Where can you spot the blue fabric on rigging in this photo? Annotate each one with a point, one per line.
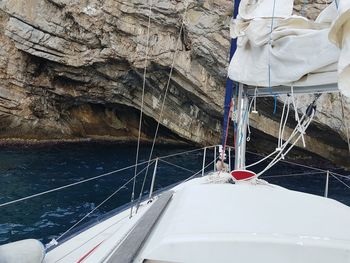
(229, 82)
(275, 104)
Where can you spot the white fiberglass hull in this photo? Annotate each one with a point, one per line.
(209, 219)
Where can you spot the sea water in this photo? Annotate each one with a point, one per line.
(29, 170)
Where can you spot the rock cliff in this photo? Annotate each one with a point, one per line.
(74, 69)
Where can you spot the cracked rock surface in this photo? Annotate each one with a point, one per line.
(74, 69)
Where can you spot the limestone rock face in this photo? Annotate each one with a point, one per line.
(310, 8)
(74, 69)
(59, 56)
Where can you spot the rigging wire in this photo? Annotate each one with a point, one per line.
(181, 153)
(305, 122)
(281, 155)
(344, 121)
(291, 175)
(177, 166)
(336, 177)
(99, 205)
(226, 135)
(54, 242)
(142, 105)
(95, 177)
(68, 185)
(309, 167)
(199, 171)
(301, 127)
(269, 56)
(235, 120)
(291, 163)
(164, 98)
(163, 157)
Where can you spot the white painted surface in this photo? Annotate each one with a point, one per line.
(28, 251)
(211, 220)
(250, 223)
(110, 232)
(297, 51)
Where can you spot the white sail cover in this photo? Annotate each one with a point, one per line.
(276, 48)
(340, 35)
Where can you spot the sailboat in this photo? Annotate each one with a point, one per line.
(232, 215)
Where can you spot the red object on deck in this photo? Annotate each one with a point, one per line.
(243, 175)
(88, 253)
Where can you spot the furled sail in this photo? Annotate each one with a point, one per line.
(340, 35)
(276, 48)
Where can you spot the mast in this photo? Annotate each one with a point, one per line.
(242, 115)
(297, 68)
(242, 104)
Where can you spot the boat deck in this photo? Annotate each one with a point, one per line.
(130, 247)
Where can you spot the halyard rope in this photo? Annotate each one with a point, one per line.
(279, 151)
(291, 163)
(283, 122)
(297, 118)
(261, 160)
(301, 127)
(281, 155)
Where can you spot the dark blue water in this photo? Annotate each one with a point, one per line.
(26, 171)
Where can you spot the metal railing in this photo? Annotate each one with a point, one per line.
(324, 172)
(202, 171)
(229, 149)
(205, 167)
